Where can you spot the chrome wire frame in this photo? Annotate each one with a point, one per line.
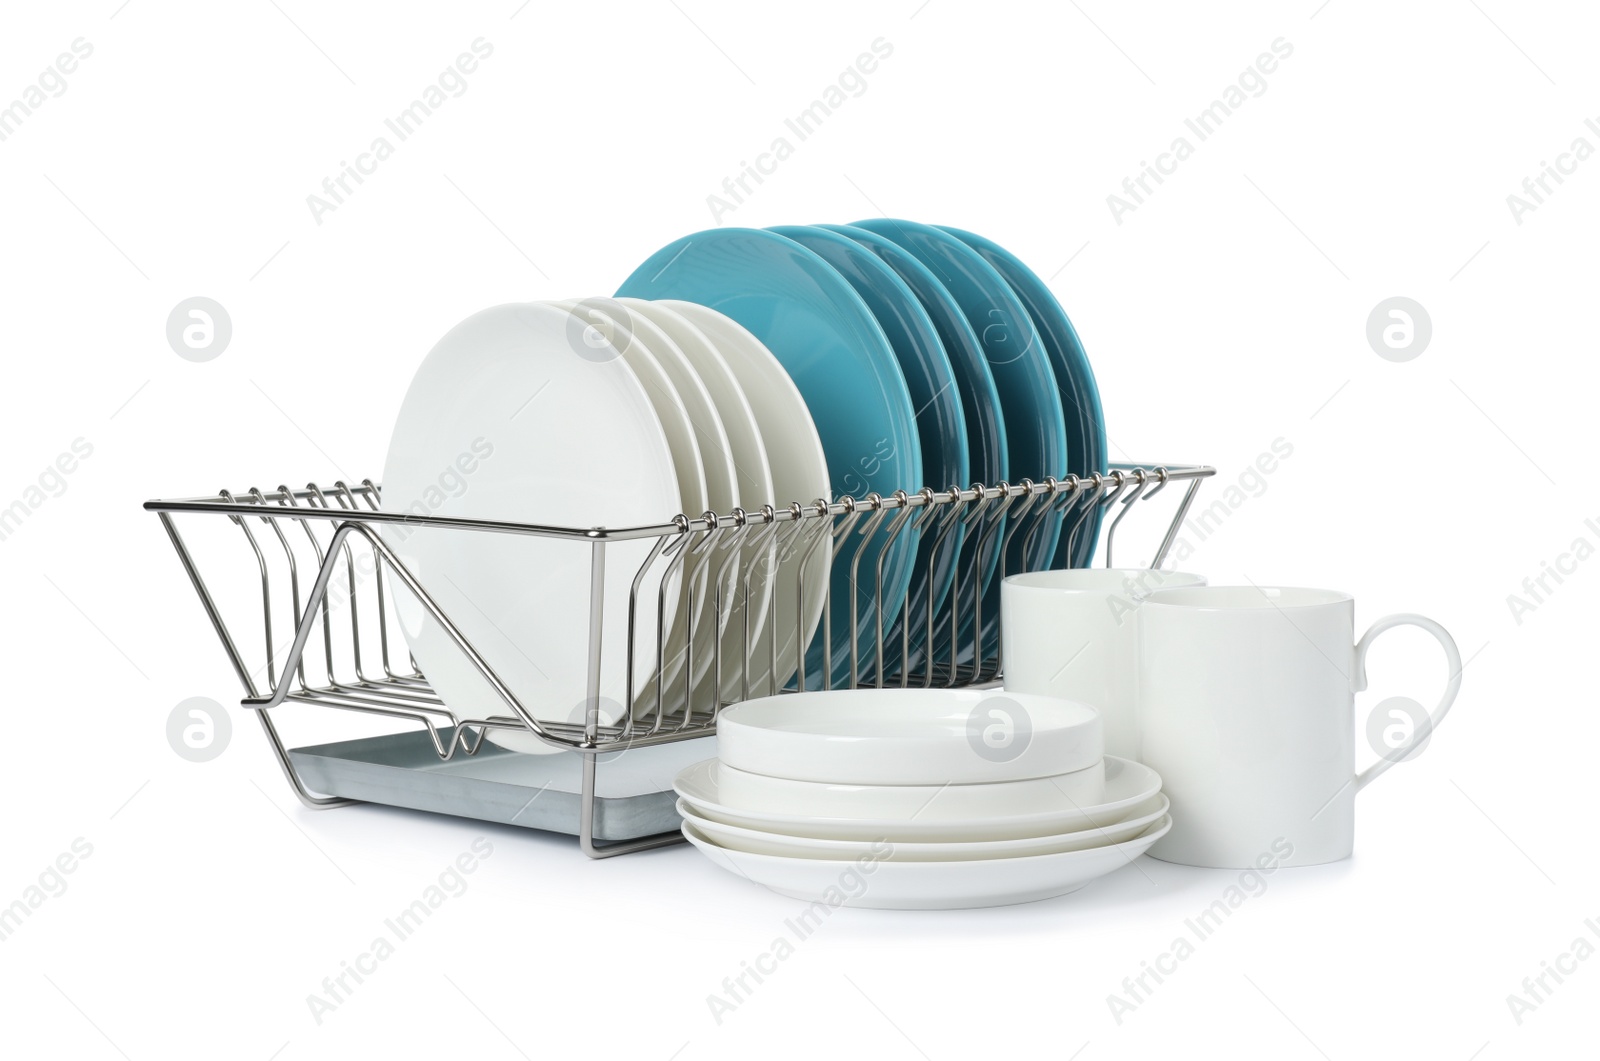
(732, 554)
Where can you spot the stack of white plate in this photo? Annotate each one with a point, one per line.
(918, 799)
(595, 412)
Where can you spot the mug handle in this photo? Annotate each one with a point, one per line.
(1452, 656)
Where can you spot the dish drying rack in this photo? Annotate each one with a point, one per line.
(359, 664)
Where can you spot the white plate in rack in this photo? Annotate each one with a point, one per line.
(513, 417)
(799, 474)
(648, 353)
(874, 882)
(722, 495)
(746, 454)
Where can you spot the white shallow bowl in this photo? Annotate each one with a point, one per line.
(745, 791)
(1127, 785)
(872, 882)
(909, 736)
(757, 842)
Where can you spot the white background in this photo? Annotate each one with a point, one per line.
(1227, 311)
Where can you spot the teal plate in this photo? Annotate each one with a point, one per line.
(941, 422)
(980, 404)
(838, 356)
(1080, 396)
(1036, 432)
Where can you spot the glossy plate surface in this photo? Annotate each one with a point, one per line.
(799, 469)
(875, 882)
(1036, 433)
(747, 453)
(513, 417)
(1080, 396)
(909, 736)
(776, 795)
(648, 355)
(986, 429)
(1127, 785)
(758, 842)
(941, 422)
(713, 453)
(832, 347)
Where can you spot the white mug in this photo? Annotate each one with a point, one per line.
(1247, 711)
(1072, 634)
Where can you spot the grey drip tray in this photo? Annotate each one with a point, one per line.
(633, 788)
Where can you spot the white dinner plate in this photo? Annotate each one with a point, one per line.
(910, 736)
(1127, 785)
(799, 474)
(722, 495)
(648, 353)
(776, 795)
(748, 453)
(874, 882)
(713, 483)
(757, 842)
(506, 419)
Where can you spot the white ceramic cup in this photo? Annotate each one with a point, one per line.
(1072, 634)
(1247, 711)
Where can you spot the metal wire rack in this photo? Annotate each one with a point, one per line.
(327, 572)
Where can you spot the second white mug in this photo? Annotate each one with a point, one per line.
(1073, 634)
